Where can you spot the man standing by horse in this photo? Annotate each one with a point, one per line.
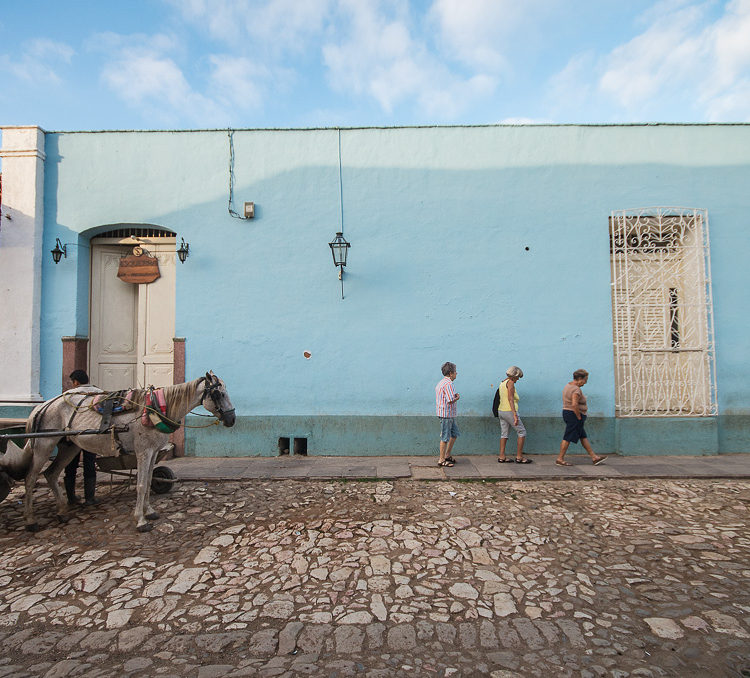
(80, 378)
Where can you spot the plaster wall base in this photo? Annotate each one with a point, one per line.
(417, 435)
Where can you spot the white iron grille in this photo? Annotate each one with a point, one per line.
(662, 313)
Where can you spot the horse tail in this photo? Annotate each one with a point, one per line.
(16, 461)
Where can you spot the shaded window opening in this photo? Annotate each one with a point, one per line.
(674, 318)
(137, 233)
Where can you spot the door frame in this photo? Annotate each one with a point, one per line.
(125, 241)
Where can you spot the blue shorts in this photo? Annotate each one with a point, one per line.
(574, 430)
(448, 429)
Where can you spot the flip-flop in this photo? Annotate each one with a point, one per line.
(447, 463)
(450, 459)
(601, 460)
(525, 460)
(503, 461)
(563, 463)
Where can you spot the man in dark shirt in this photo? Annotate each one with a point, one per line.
(80, 378)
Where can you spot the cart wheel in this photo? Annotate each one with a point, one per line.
(4, 486)
(162, 486)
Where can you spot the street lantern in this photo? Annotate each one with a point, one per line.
(339, 249)
(184, 251)
(59, 252)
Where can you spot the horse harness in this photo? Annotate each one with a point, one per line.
(154, 409)
(212, 389)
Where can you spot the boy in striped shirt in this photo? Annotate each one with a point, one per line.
(445, 403)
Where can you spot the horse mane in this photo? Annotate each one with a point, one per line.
(179, 397)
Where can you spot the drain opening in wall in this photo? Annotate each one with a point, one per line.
(283, 445)
(300, 446)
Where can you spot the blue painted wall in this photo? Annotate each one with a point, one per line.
(486, 246)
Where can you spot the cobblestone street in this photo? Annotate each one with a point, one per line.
(384, 578)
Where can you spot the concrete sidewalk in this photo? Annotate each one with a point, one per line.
(474, 467)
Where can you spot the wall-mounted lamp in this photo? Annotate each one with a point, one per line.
(184, 251)
(59, 252)
(339, 249)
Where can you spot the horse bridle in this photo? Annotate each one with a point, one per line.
(212, 390)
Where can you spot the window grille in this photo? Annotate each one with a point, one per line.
(662, 313)
(138, 232)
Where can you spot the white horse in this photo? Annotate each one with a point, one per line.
(72, 411)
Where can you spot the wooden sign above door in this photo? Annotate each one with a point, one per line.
(139, 267)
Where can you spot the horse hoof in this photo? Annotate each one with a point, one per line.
(32, 527)
(62, 518)
(146, 527)
(152, 516)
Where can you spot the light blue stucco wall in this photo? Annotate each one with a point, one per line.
(440, 220)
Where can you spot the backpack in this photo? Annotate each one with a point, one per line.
(496, 402)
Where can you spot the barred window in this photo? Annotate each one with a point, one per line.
(662, 313)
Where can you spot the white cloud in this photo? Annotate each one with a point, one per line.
(687, 58)
(287, 24)
(376, 55)
(220, 17)
(729, 39)
(732, 104)
(280, 25)
(666, 53)
(474, 31)
(438, 62)
(370, 48)
(145, 77)
(238, 80)
(114, 43)
(524, 121)
(685, 64)
(573, 83)
(661, 9)
(39, 62)
(258, 38)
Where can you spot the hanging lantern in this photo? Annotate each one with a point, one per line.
(59, 252)
(339, 249)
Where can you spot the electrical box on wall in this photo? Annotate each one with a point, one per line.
(249, 210)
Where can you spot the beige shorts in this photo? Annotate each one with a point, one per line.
(506, 421)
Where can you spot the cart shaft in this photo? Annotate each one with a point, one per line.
(53, 434)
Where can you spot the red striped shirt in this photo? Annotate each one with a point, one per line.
(445, 398)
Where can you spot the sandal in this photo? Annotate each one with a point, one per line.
(523, 460)
(450, 459)
(504, 460)
(598, 460)
(562, 463)
(445, 463)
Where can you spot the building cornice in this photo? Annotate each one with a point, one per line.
(24, 153)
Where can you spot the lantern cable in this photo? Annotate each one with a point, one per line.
(230, 134)
(341, 186)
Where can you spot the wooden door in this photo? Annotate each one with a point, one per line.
(132, 326)
(156, 321)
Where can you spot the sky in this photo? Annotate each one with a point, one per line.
(205, 64)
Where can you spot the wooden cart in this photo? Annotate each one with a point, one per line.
(162, 480)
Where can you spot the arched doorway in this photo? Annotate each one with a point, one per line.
(132, 325)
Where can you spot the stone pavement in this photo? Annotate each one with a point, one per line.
(463, 576)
